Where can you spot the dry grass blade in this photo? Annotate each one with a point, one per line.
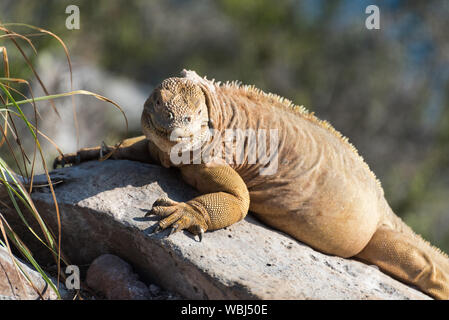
(69, 62)
(67, 94)
(2, 228)
(9, 233)
(23, 96)
(53, 143)
(10, 109)
(20, 114)
(30, 65)
(10, 34)
(36, 114)
(7, 74)
(37, 143)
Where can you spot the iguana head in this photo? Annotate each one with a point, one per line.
(176, 112)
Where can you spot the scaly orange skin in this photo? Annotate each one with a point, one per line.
(323, 193)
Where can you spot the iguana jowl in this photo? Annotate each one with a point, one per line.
(322, 194)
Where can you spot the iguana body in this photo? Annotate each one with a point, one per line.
(322, 194)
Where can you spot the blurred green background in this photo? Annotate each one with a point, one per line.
(387, 90)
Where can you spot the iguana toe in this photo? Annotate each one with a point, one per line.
(164, 201)
(178, 216)
(59, 161)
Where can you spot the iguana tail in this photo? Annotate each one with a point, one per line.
(405, 255)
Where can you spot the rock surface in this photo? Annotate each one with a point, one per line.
(102, 207)
(11, 287)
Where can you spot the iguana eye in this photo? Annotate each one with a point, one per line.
(170, 115)
(187, 119)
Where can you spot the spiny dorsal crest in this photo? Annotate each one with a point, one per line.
(275, 100)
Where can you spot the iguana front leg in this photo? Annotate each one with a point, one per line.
(131, 149)
(224, 202)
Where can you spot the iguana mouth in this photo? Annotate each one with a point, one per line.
(166, 134)
(159, 131)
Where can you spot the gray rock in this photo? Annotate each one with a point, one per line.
(155, 290)
(15, 287)
(114, 278)
(102, 207)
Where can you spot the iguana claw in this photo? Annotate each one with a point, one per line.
(104, 149)
(62, 160)
(173, 230)
(178, 216)
(157, 229)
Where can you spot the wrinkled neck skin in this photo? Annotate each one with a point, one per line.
(235, 112)
(241, 114)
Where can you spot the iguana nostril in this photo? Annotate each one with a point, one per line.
(188, 119)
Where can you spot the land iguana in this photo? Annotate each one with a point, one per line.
(322, 193)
